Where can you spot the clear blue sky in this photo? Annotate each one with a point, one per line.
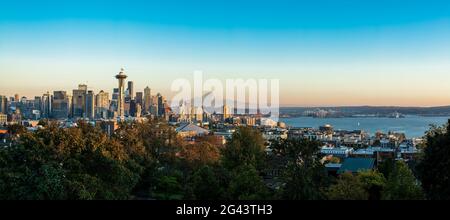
(324, 52)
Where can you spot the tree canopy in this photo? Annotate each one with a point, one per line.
(402, 184)
(148, 160)
(433, 169)
(303, 175)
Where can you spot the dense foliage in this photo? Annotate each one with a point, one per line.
(149, 161)
(303, 175)
(434, 169)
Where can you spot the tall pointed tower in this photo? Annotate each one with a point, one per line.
(121, 102)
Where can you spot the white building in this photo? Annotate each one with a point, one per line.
(336, 151)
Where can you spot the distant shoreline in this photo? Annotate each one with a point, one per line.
(412, 126)
(427, 116)
(366, 106)
(368, 111)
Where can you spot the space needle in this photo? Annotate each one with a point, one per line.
(121, 102)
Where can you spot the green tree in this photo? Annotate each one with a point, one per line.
(247, 184)
(15, 130)
(373, 183)
(60, 163)
(150, 145)
(169, 186)
(245, 148)
(303, 175)
(203, 152)
(43, 122)
(386, 167)
(348, 187)
(402, 185)
(207, 183)
(433, 169)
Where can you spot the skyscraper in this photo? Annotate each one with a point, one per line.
(139, 98)
(60, 105)
(114, 100)
(198, 114)
(126, 106)
(102, 104)
(147, 99)
(3, 104)
(121, 99)
(154, 105)
(160, 105)
(132, 111)
(226, 112)
(78, 101)
(46, 105)
(130, 90)
(90, 105)
(38, 104)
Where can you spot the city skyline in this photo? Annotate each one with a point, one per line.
(325, 54)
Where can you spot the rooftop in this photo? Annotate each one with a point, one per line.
(191, 128)
(355, 165)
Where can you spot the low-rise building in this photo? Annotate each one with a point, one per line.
(341, 151)
(411, 153)
(274, 134)
(227, 134)
(356, 165)
(379, 153)
(190, 130)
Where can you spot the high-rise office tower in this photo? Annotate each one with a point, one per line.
(121, 99)
(154, 105)
(183, 112)
(114, 100)
(60, 105)
(226, 112)
(78, 101)
(3, 104)
(198, 114)
(160, 105)
(132, 110)
(102, 104)
(38, 103)
(126, 106)
(90, 105)
(130, 90)
(16, 115)
(69, 97)
(167, 110)
(139, 98)
(46, 105)
(147, 99)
